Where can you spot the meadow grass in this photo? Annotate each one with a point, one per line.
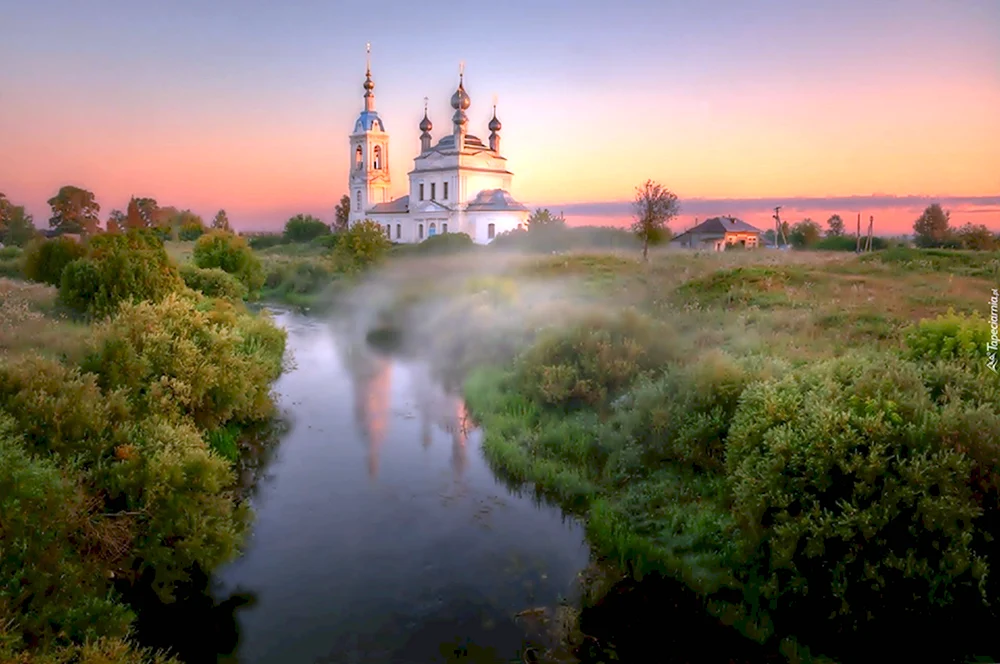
(576, 410)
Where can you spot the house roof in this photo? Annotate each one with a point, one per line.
(401, 204)
(721, 226)
(494, 200)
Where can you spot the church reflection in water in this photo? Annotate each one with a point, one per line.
(373, 375)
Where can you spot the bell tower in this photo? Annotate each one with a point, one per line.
(369, 182)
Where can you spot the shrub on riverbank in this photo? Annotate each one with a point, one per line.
(230, 253)
(116, 268)
(783, 485)
(44, 260)
(213, 282)
(108, 480)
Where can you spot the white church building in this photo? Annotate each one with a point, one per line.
(458, 185)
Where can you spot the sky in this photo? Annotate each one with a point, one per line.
(875, 107)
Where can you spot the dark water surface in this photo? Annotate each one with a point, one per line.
(381, 535)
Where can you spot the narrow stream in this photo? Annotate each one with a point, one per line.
(381, 535)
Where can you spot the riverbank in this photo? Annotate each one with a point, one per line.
(124, 400)
(766, 429)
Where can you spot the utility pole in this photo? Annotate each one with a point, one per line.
(858, 249)
(778, 230)
(871, 226)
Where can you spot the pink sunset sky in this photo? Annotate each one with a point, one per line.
(736, 106)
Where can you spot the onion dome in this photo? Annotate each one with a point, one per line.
(425, 124)
(495, 125)
(460, 100)
(460, 118)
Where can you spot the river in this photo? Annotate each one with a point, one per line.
(381, 535)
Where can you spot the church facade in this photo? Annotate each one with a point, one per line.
(457, 185)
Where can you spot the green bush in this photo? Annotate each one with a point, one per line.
(119, 267)
(177, 361)
(12, 268)
(446, 243)
(50, 588)
(212, 282)
(231, 254)
(593, 361)
(949, 337)
(190, 231)
(849, 243)
(303, 228)
(327, 241)
(853, 494)
(362, 245)
(682, 417)
(265, 241)
(7, 253)
(44, 260)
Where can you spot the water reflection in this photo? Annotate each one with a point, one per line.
(381, 535)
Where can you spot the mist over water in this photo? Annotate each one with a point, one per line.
(381, 535)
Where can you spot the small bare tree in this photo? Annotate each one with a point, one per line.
(654, 207)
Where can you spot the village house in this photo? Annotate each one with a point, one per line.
(718, 233)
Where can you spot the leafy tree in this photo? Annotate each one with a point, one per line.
(74, 210)
(116, 223)
(654, 207)
(931, 229)
(141, 213)
(834, 226)
(16, 226)
(362, 245)
(805, 233)
(221, 221)
(230, 253)
(542, 218)
(303, 228)
(118, 267)
(978, 238)
(341, 213)
(44, 260)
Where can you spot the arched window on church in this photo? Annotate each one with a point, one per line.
(432, 230)
(358, 159)
(357, 201)
(388, 231)
(377, 160)
(491, 231)
(420, 232)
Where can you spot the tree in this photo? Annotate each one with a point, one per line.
(230, 253)
(542, 218)
(18, 227)
(341, 213)
(834, 226)
(978, 238)
(304, 227)
(805, 233)
(74, 210)
(931, 229)
(221, 221)
(116, 223)
(654, 207)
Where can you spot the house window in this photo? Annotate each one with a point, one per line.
(444, 191)
(358, 161)
(433, 185)
(399, 231)
(491, 230)
(420, 232)
(377, 161)
(421, 191)
(444, 228)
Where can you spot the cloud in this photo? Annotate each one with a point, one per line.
(721, 206)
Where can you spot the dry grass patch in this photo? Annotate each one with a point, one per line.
(31, 321)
